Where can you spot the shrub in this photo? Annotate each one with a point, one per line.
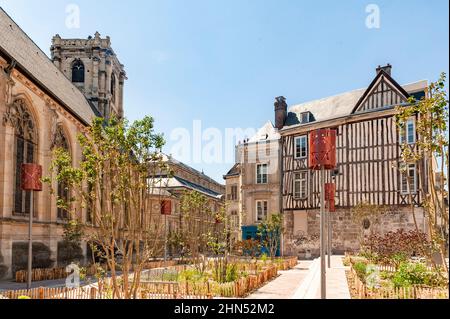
(410, 274)
(232, 273)
(394, 248)
(191, 275)
(361, 270)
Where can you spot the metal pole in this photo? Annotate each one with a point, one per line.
(330, 233)
(165, 238)
(30, 243)
(323, 283)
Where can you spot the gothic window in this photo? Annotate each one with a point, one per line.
(78, 72)
(113, 88)
(25, 152)
(60, 142)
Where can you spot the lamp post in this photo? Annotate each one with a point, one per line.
(166, 210)
(322, 148)
(330, 192)
(31, 181)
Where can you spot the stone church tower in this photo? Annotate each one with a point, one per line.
(94, 68)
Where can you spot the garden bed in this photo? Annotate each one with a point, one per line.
(408, 281)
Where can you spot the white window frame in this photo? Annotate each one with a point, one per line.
(301, 178)
(404, 133)
(266, 215)
(261, 181)
(413, 183)
(300, 138)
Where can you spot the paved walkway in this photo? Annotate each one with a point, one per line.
(284, 286)
(303, 282)
(337, 286)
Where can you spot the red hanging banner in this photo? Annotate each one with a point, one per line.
(166, 207)
(330, 195)
(322, 149)
(31, 177)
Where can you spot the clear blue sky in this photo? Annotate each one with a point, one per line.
(224, 62)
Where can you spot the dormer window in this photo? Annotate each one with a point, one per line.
(305, 117)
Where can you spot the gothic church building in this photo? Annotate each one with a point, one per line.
(45, 103)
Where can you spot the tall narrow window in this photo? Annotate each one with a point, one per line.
(234, 192)
(25, 152)
(409, 176)
(113, 88)
(78, 72)
(301, 147)
(60, 142)
(261, 174)
(261, 210)
(301, 185)
(408, 133)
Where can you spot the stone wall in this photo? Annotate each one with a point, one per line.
(347, 234)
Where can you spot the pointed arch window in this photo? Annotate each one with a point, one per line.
(60, 142)
(113, 88)
(78, 72)
(25, 150)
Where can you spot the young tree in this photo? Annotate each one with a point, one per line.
(270, 232)
(431, 121)
(197, 218)
(112, 182)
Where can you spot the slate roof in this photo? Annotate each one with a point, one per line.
(234, 171)
(173, 161)
(337, 106)
(174, 183)
(15, 43)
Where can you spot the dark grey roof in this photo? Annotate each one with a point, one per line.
(336, 106)
(234, 171)
(197, 187)
(16, 43)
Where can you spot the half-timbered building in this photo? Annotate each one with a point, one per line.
(368, 163)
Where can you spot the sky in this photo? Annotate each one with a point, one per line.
(221, 63)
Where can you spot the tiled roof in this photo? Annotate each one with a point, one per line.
(336, 106)
(16, 43)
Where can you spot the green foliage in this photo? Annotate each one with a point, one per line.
(232, 273)
(112, 181)
(191, 275)
(361, 270)
(431, 118)
(264, 258)
(270, 231)
(410, 274)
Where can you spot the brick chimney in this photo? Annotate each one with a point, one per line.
(280, 112)
(386, 68)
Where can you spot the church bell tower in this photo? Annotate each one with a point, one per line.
(94, 69)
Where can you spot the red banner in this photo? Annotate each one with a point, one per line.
(322, 149)
(166, 207)
(31, 177)
(330, 195)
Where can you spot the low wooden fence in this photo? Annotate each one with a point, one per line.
(60, 273)
(49, 274)
(88, 293)
(413, 292)
(236, 289)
